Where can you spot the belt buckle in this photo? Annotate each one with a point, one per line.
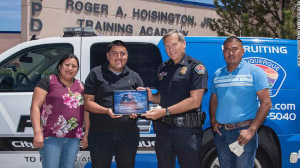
(180, 122)
(228, 128)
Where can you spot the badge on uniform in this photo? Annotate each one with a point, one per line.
(183, 70)
(161, 75)
(200, 69)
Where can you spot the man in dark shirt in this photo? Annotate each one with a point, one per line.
(111, 134)
(182, 83)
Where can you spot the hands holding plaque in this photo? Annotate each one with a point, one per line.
(130, 102)
(135, 103)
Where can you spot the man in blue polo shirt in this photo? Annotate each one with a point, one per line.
(234, 111)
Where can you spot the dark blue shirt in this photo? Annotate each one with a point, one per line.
(176, 81)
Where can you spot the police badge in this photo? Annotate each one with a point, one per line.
(183, 70)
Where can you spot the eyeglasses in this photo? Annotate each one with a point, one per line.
(115, 53)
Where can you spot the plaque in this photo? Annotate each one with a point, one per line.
(126, 102)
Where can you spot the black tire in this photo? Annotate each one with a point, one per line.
(209, 156)
(263, 159)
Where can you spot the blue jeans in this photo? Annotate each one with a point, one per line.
(59, 152)
(104, 145)
(185, 143)
(228, 159)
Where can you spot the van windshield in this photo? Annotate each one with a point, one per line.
(23, 70)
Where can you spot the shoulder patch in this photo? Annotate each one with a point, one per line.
(200, 69)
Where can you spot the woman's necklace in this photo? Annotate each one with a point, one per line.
(67, 84)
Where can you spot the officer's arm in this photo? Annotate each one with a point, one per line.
(193, 102)
(93, 107)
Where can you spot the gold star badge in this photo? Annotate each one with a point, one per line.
(183, 70)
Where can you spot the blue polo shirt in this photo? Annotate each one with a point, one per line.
(236, 92)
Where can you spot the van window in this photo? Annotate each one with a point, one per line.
(23, 70)
(143, 58)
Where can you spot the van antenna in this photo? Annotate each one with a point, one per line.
(33, 37)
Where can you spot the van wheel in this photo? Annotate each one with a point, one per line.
(210, 159)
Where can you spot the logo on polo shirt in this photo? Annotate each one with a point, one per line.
(276, 74)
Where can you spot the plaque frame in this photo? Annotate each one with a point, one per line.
(126, 102)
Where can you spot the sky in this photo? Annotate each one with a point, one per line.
(10, 13)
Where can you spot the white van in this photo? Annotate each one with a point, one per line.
(22, 66)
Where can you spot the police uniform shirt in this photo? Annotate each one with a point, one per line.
(101, 82)
(176, 81)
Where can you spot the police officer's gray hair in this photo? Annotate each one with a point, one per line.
(170, 33)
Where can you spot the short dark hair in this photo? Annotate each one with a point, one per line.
(179, 35)
(70, 55)
(116, 43)
(233, 39)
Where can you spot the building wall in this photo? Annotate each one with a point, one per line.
(8, 40)
(114, 17)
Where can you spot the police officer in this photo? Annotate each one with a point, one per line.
(182, 83)
(111, 134)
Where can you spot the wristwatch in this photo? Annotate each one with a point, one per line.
(167, 111)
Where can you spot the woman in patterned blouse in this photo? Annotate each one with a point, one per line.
(57, 115)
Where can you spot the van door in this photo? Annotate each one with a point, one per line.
(18, 76)
(19, 73)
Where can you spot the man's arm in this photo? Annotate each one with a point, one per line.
(265, 105)
(185, 105)
(212, 113)
(91, 106)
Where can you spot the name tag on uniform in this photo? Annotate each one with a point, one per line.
(161, 75)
